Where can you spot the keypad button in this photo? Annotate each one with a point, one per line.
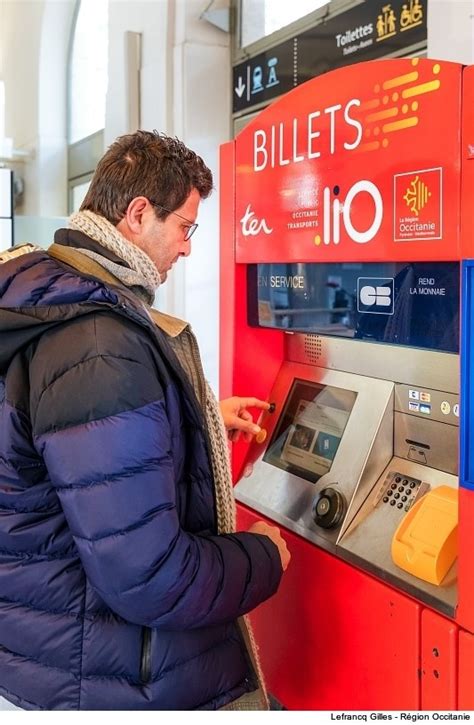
(393, 486)
(389, 492)
(412, 484)
(404, 498)
(396, 495)
(397, 479)
(405, 481)
(385, 499)
(392, 502)
(400, 488)
(399, 505)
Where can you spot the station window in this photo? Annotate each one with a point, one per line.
(87, 92)
(77, 191)
(260, 18)
(88, 69)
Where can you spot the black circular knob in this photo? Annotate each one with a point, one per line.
(329, 508)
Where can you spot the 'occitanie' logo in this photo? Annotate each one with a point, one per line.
(417, 195)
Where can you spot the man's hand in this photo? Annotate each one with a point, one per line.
(273, 533)
(237, 419)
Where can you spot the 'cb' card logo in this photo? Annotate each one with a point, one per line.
(418, 205)
(375, 295)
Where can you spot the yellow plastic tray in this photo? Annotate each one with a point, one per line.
(425, 543)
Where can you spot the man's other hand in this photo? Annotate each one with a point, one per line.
(237, 418)
(273, 533)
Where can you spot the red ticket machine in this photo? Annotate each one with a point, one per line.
(342, 247)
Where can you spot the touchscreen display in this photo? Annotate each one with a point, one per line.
(310, 429)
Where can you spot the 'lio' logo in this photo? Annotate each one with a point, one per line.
(337, 211)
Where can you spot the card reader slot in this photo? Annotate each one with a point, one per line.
(417, 443)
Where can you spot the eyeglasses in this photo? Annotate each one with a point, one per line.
(190, 228)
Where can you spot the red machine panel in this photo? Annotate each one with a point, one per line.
(334, 638)
(465, 613)
(467, 153)
(359, 165)
(439, 646)
(466, 675)
(350, 167)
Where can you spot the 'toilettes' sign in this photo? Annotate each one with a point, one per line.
(368, 31)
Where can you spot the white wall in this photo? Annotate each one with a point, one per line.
(185, 91)
(20, 40)
(185, 84)
(50, 181)
(451, 30)
(151, 19)
(34, 36)
(202, 72)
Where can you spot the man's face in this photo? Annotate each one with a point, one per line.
(164, 240)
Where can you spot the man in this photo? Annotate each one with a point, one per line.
(122, 582)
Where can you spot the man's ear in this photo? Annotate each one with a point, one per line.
(132, 221)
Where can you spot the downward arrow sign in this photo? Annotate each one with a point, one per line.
(240, 87)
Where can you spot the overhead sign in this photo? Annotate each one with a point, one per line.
(370, 30)
(349, 167)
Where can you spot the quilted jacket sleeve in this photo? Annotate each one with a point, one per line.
(101, 425)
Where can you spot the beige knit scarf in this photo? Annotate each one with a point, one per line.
(141, 274)
(226, 523)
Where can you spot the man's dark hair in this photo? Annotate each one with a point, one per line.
(146, 163)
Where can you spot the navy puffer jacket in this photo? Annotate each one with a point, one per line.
(115, 590)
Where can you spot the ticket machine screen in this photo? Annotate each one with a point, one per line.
(310, 429)
(400, 303)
